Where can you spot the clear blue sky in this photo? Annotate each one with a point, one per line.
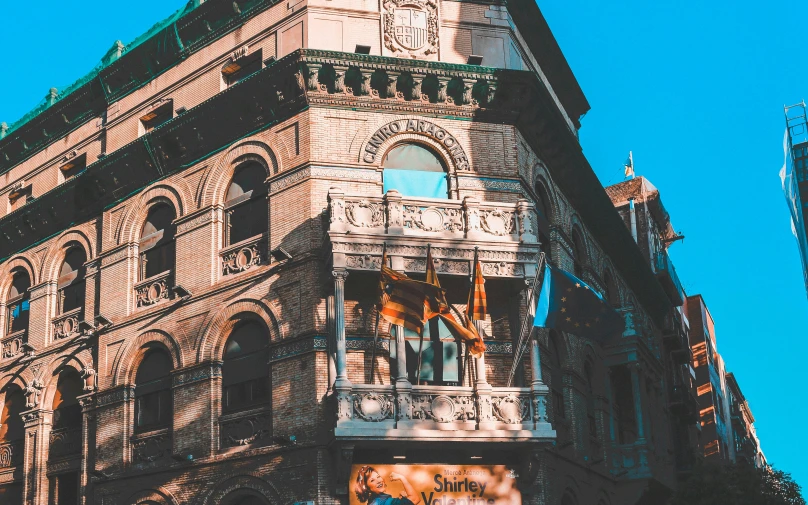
(694, 88)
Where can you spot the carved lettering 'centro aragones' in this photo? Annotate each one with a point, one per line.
(371, 149)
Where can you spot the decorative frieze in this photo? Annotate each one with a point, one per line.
(11, 453)
(204, 372)
(12, 344)
(121, 394)
(117, 255)
(195, 221)
(300, 346)
(329, 173)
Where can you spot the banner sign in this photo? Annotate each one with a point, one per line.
(415, 484)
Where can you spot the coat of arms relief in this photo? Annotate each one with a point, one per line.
(410, 27)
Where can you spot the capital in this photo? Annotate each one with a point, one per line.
(340, 275)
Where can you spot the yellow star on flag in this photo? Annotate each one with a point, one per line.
(563, 309)
(563, 298)
(577, 284)
(568, 320)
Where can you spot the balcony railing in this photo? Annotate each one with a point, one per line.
(245, 427)
(65, 442)
(244, 255)
(372, 412)
(11, 453)
(666, 274)
(151, 447)
(153, 290)
(13, 344)
(67, 325)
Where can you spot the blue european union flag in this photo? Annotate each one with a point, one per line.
(566, 303)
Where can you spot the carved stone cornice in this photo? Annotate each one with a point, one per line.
(285, 180)
(36, 416)
(195, 220)
(205, 371)
(118, 254)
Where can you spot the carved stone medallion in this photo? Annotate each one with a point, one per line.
(411, 27)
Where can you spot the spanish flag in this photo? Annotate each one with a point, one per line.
(477, 306)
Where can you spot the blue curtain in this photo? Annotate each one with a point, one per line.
(416, 183)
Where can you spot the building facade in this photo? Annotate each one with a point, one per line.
(191, 240)
(744, 435)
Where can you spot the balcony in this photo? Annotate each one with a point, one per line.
(683, 404)
(67, 325)
(666, 274)
(151, 448)
(11, 453)
(245, 427)
(503, 233)
(13, 344)
(153, 290)
(65, 442)
(441, 413)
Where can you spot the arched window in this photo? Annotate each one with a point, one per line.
(544, 211)
(71, 283)
(66, 416)
(556, 377)
(414, 170)
(157, 242)
(246, 204)
(12, 427)
(578, 252)
(17, 302)
(153, 403)
(626, 422)
(245, 372)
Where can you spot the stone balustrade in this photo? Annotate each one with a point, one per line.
(503, 233)
(441, 412)
(64, 442)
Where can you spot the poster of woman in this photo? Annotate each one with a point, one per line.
(407, 484)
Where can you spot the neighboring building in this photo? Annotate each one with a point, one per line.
(190, 240)
(639, 204)
(794, 177)
(747, 445)
(716, 436)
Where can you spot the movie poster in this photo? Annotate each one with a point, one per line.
(407, 484)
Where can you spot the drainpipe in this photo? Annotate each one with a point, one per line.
(633, 219)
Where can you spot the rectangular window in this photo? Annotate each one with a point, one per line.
(246, 220)
(17, 315)
(440, 362)
(153, 410)
(245, 394)
(72, 296)
(67, 489)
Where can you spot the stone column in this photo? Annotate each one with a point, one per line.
(37, 433)
(610, 396)
(342, 386)
(87, 403)
(403, 387)
(330, 344)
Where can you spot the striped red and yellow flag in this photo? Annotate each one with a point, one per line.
(467, 333)
(437, 305)
(477, 307)
(404, 300)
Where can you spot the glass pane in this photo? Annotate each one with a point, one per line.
(247, 220)
(413, 157)
(158, 260)
(416, 183)
(439, 355)
(73, 297)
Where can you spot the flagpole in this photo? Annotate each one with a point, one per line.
(421, 340)
(376, 330)
(526, 325)
(631, 160)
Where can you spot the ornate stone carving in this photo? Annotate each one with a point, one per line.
(66, 325)
(32, 392)
(433, 219)
(115, 396)
(365, 214)
(12, 345)
(443, 408)
(153, 290)
(88, 375)
(373, 407)
(497, 222)
(410, 27)
(510, 409)
(11, 454)
(242, 258)
(195, 222)
(364, 262)
(245, 429)
(196, 374)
